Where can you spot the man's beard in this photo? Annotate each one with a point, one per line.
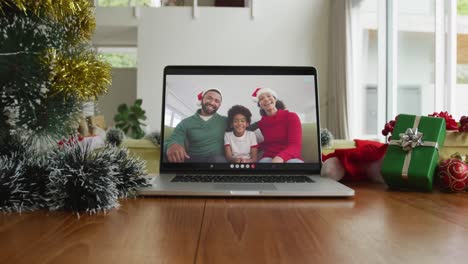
(208, 111)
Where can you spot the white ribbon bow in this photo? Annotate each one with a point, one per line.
(411, 139)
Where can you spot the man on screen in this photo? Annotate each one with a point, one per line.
(200, 137)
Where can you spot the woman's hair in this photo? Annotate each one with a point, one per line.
(279, 105)
(239, 109)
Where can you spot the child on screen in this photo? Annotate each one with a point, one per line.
(240, 145)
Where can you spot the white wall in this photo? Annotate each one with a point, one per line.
(115, 26)
(282, 33)
(121, 91)
(115, 16)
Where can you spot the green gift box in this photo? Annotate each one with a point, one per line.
(412, 154)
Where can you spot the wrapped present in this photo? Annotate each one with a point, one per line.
(412, 154)
(455, 142)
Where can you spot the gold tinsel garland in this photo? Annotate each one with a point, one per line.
(77, 15)
(83, 75)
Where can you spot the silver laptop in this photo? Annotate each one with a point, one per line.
(216, 142)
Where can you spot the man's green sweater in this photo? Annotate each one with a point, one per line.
(201, 137)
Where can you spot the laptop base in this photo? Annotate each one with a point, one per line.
(320, 187)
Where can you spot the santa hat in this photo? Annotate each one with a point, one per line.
(202, 93)
(258, 91)
(356, 160)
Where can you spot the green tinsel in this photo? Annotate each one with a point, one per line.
(326, 137)
(114, 136)
(81, 180)
(46, 65)
(72, 177)
(76, 15)
(5, 127)
(55, 118)
(10, 170)
(130, 171)
(22, 182)
(12, 143)
(22, 34)
(22, 86)
(47, 69)
(24, 77)
(75, 69)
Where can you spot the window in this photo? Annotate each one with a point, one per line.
(119, 57)
(461, 90)
(126, 2)
(171, 117)
(415, 56)
(368, 78)
(407, 57)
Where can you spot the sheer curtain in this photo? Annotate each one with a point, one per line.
(339, 77)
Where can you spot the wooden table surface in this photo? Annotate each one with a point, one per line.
(376, 226)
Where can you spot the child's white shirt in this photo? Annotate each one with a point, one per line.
(240, 146)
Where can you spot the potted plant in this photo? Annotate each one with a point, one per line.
(129, 119)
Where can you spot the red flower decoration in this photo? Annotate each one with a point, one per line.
(450, 123)
(463, 124)
(200, 96)
(70, 141)
(388, 128)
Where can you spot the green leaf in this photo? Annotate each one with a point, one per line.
(122, 108)
(128, 119)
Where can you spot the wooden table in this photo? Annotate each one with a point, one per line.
(376, 226)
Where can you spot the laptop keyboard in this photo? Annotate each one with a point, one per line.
(242, 179)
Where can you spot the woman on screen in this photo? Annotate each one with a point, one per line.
(281, 129)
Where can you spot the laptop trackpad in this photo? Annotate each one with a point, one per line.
(245, 187)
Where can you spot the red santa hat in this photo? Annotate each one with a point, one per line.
(258, 91)
(356, 161)
(202, 93)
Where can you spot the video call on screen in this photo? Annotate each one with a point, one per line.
(297, 92)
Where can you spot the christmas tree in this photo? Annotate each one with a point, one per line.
(47, 67)
(47, 71)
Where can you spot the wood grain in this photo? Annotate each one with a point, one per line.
(377, 226)
(148, 230)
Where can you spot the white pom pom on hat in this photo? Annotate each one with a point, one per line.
(258, 91)
(202, 93)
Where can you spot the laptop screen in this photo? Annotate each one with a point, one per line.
(240, 118)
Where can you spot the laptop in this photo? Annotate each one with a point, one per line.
(197, 157)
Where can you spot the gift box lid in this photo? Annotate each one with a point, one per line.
(432, 128)
(455, 143)
(456, 139)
